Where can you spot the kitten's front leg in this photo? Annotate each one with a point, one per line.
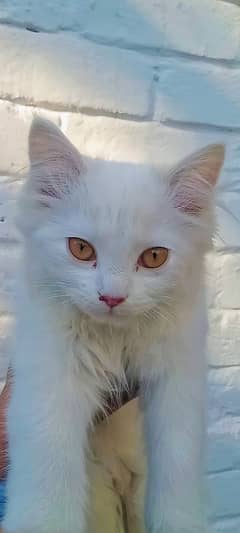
(50, 410)
(174, 422)
(47, 478)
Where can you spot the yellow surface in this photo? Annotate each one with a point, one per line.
(117, 474)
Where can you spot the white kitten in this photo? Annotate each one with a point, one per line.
(88, 310)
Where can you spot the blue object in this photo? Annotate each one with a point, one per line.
(2, 499)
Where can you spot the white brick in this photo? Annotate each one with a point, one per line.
(207, 27)
(185, 26)
(9, 257)
(229, 219)
(12, 132)
(15, 122)
(213, 279)
(6, 324)
(230, 278)
(113, 138)
(191, 92)
(8, 194)
(224, 494)
(224, 389)
(226, 526)
(139, 141)
(53, 15)
(224, 337)
(223, 274)
(223, 442)
(65, 72)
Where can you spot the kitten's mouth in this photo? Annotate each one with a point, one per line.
(110, 316)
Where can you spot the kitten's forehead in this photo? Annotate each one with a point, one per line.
(118, 185)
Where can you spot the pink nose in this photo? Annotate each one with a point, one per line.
(111, 301)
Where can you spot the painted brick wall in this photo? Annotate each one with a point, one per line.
(137, 79)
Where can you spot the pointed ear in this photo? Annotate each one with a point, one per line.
(192, 182)
(54, 162)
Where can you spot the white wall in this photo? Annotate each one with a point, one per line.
(133, 79)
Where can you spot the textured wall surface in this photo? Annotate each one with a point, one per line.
(131, 80)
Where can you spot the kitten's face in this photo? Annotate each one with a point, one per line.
(119, 212)
(113, 239)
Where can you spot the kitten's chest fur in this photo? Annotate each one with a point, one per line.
(103, 350)
(107, 358)
(110, 356)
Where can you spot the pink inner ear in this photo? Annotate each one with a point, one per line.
(192, 184)
(188, 205)
(48, 191)
(56, 164)
(191, 191)
(54, 177)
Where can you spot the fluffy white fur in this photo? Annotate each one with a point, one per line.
(70, 349)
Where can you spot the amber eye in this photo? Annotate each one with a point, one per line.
(81, 249)
(153, 257)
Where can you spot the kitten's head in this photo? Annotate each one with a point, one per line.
(116, 240)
